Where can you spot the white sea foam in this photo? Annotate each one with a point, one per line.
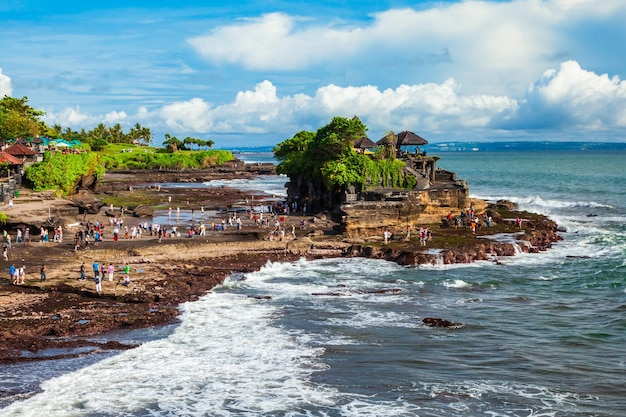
(458, 283)
(535, 201)
(532, 400)
(226, 358)
(269, 184)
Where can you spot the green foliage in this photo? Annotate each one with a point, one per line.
(18, 119)
(3, 218)
(63, 171)
(149, 159)
(99, 145)
(328, 156)
(292, 155)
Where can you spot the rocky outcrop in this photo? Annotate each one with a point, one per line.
(143, 211)
(87, 202)
(538, 239)
(437, 322)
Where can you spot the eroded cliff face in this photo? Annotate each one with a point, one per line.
(397, 210)
(365, 212)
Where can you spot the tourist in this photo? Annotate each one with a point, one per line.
(126, 275)
(18, 236)
(42, 272)
(22, 273)
(82, 272)
(5, 252)
(96, 269)
(386, 236)
(12, 274)
(111, 271)
(10, 203)
(97, 280)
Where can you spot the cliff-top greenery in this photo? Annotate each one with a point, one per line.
(328, 156)
(102, 148)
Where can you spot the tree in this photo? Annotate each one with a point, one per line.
(18, 119)
(324, 164)
(172, 143)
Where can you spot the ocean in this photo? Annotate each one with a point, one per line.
(543, 334)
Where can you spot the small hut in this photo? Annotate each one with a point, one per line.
(14, 164)
(409, 141)
(364, 145)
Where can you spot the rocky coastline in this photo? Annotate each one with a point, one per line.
(66, 313)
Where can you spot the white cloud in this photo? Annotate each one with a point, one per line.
(574, 97)
(5, 85)
(419, 107)
(569, 97)
(76, 119)
(492, 47)
(274, 41)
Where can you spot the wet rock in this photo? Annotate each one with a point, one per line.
(143, 210)
(438, 322)
(87, 202)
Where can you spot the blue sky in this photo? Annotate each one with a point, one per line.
(254, 73)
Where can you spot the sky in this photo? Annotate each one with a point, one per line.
(254, 73)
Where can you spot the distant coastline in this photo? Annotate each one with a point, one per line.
(499, 146)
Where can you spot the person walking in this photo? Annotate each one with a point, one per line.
(96, 269)
(42, 272)
(111, 271)
(82, 272)
(98, 282)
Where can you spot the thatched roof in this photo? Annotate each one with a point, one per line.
(364, 143)
(407, 138)
(17, 149)
(388, 139)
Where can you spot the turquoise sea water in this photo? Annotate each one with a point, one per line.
(543, 334)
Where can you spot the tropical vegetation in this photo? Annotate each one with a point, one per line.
(328, 157)
(111, 148)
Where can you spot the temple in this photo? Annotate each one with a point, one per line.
(362, 212)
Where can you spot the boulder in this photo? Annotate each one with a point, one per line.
(437, 322)
(143, 210)
(87, 202)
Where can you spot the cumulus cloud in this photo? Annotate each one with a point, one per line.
(76, 119)
(274, 42)
(493, 47)
(572, 97)
(418, 107)
(5, 85)
(569, 97)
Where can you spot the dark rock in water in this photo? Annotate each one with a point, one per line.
(592, 215)
(504, 205)
(87, 202)
(437, 322)
(331, 294)
(261, 297)
(143, 211)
